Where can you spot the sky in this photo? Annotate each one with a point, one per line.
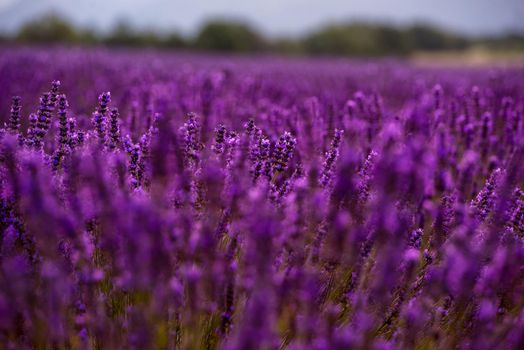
(273, 17)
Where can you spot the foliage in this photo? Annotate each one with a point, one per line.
(229, 36)
(353, 39)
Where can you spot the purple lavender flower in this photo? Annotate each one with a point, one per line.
(190, 133)
(220, 137)
(63, 139)
(103, 103)
(14, 119)
(437, 94)
(40, 127)
(32, 130)
(283, 153)
(54, 95)
(260, 153)
(485, 199)
(403, 231)
(114, 130)
(331, 158)
(98, 122)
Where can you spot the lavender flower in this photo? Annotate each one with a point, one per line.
(40, 127)
(191, 135)
(405, 231)
(14, 119)
(331, 157)
(32, 130)
(260, 154)
(283, 152)
(55, 85)
(114, 130)
(220, 137)
(103, 103)
(98, 122)
(63, 139)
(485, 199)
(437, 93)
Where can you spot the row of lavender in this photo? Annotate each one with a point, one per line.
(258, 203)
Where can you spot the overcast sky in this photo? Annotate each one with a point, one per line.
(273, 17)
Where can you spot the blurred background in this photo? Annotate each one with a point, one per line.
(452, 31)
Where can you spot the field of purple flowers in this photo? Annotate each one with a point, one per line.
(171, 201)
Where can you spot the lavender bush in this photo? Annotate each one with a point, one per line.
(173, 201)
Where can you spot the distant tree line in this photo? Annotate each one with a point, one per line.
(356, 39)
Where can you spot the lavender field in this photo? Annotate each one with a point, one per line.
(179, 201)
